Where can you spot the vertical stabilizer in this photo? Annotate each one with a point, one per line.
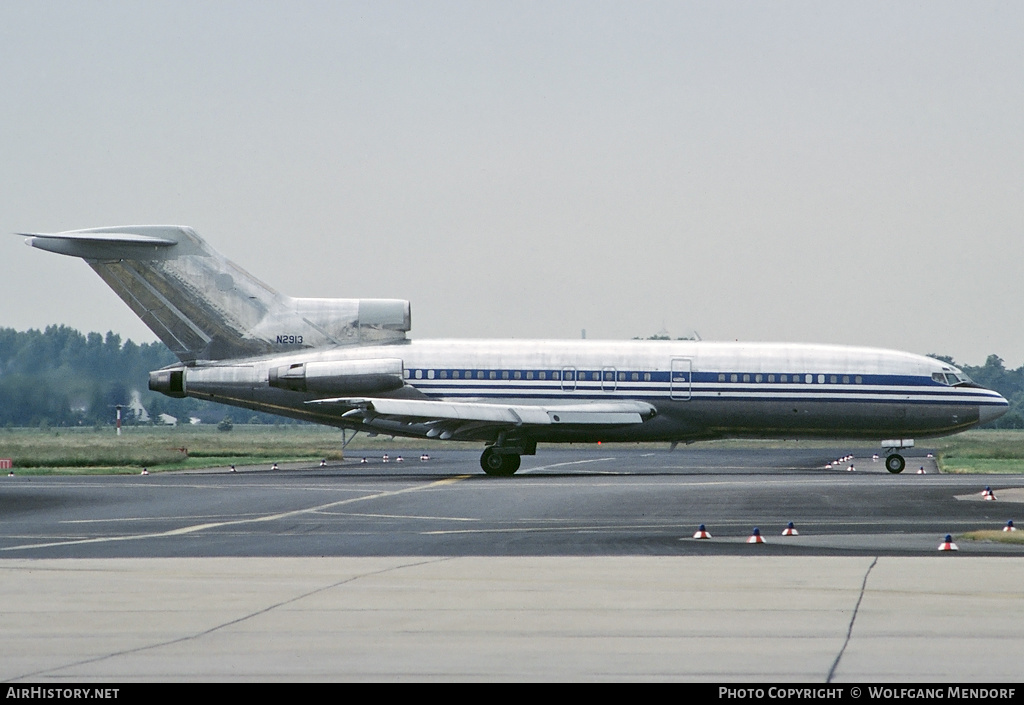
(205, 307)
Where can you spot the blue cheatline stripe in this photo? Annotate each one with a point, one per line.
(663, 377)
(498, 392)
(768, 392)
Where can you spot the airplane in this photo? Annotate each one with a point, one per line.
(348, 363)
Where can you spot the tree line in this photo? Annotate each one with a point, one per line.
(60, 377)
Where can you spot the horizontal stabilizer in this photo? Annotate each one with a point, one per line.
(105, 238)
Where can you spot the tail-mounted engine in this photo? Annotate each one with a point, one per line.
(340, 378)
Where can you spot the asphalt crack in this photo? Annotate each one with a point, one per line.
(853, 619)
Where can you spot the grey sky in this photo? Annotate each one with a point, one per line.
(823, 172)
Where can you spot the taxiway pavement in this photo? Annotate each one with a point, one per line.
(581, 567)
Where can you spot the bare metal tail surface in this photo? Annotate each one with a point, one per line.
(205, 307)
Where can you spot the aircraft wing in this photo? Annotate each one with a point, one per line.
(449, 419)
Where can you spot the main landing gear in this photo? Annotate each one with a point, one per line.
(503, 458)
(499, 464)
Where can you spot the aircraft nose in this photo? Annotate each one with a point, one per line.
(993, 409)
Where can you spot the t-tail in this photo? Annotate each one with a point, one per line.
(205, 307)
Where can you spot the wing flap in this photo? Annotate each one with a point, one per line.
(596, 413)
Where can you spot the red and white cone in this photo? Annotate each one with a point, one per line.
(790, 530)
(1009, 526)
(921, 471)
(424, 458)
(947, 544)
(144, 471)
(363, 461)
(988, 494)
(702, 533)
(755, 536)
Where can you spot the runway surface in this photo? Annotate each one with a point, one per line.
(581, 567)
(615, 502)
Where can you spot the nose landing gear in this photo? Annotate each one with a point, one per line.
(895, 463)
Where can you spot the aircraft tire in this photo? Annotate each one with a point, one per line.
(499, 465)
(895, 463)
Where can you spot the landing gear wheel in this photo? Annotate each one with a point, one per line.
(895, 463)
(499, 464)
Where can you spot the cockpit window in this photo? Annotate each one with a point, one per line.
(953, 379)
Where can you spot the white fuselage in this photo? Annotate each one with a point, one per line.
(700, 389)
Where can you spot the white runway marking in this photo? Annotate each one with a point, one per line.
(558, 465)
(236, 522)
